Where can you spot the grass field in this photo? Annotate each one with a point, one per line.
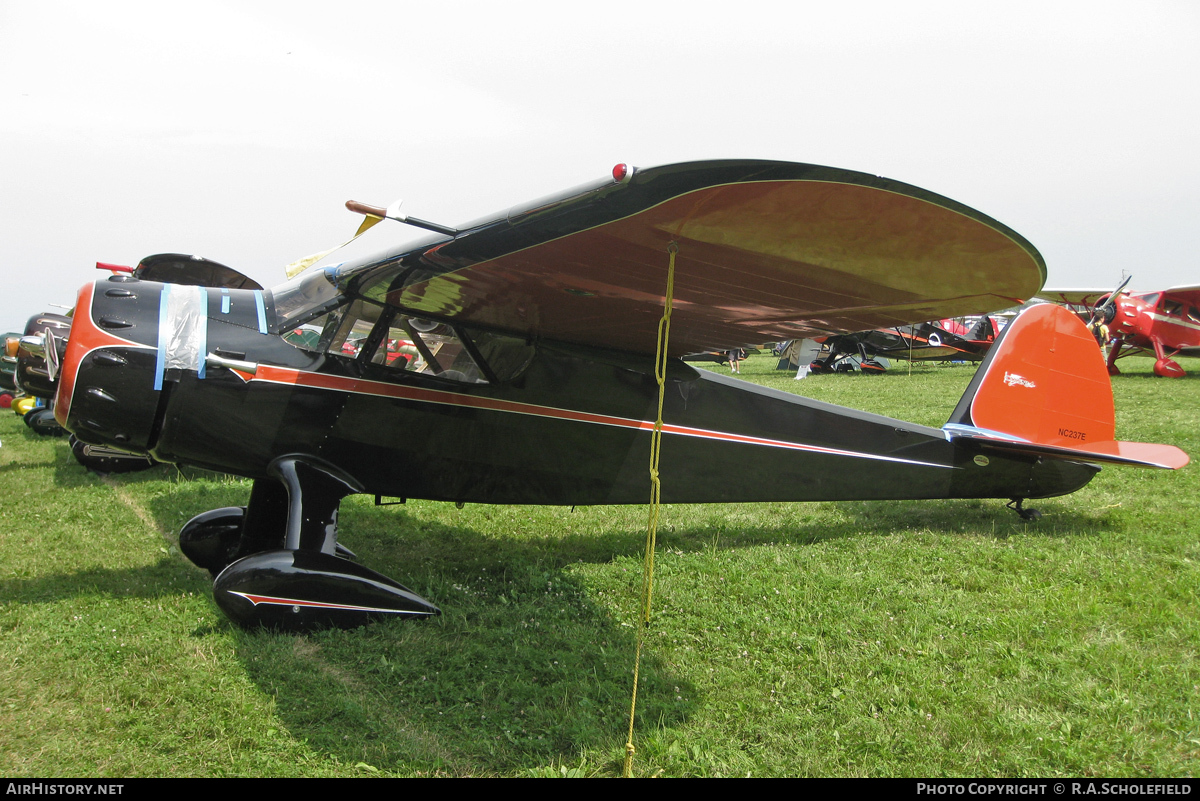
(852, 639)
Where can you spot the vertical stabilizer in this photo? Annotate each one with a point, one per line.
(1044, 389)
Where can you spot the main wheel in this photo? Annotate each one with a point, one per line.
(211, 539)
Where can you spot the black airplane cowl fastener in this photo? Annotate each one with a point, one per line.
(105, 358)
(113, 323)
(100, 394)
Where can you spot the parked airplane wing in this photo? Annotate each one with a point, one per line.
(766, 250)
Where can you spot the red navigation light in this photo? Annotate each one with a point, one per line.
(622, 173)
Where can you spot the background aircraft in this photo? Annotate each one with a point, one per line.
(967, 339)
(8, 370)
(1166, 323)
(545, 358)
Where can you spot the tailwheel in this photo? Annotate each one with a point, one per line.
(1017, 505)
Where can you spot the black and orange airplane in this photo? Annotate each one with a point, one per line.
(535, 345)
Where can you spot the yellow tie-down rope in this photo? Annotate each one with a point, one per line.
(660, 375)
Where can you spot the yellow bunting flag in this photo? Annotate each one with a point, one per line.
(300, 265)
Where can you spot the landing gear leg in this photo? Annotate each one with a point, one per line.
(1114, 351)
(285, 569)
(1017, 505)
(216, 538)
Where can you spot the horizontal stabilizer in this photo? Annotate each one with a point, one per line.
(1044, 390)
(1133, 454)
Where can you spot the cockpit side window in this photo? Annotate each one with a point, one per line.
(506, 356)
(349, 332)
(372, 333)
(438, 349)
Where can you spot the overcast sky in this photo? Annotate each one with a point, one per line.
(237, 130)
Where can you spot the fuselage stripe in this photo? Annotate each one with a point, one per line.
(1162, 318)
(272, 600)
(358, 386)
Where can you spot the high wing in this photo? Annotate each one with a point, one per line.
(1189, 295)
(1074, 297)
(766, 251)
(1088, 297)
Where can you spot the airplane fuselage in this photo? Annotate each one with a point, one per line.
(1158, 323)
(554, 423)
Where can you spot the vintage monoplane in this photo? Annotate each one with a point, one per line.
(539, 344)
(929, 341)
(1165, 323)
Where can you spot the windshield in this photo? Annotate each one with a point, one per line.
(306, 296)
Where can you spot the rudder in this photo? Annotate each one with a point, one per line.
(1044, 389)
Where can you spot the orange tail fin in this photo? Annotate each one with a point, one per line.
(1044, 389)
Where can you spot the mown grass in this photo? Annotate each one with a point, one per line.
(874, 639)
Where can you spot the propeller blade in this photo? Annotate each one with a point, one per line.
(1101, 309)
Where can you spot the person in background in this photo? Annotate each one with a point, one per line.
(735, 359)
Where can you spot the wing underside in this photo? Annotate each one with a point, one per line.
(1074, 297)
(765, 251)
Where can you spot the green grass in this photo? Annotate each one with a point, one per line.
(852, 639)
